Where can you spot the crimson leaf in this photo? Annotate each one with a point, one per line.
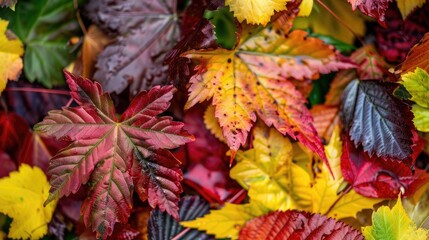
(111, 152)
(377, 120)
(163, 226)
(380, 178)
(147, 30)
(294, 224)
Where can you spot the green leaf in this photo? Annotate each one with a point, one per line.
(417, 84)
(393, 224)
(45, 27)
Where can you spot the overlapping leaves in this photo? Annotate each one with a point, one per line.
(114, 154)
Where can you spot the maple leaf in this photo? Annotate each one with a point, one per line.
(378, 177)
(252, 80)
(11, 51)
(190, 207)
(372, 8)
(417, 56)
(407, 6)
(255, 11)
(112, 153)
(146, 31)
(294, 224)
(393, 224)
(376, 119)
(267, 171)
(22, 196)
(370, 64)
(328, 197)
(46, 52)
(227, 222)
(417, 84)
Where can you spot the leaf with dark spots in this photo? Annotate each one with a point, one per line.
(179, 68)
(379, 177)
(146, 31)
(293, 224)
(377, 120)
(106, 150)
(163, 226)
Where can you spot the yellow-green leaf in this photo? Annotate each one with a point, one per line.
(268, 173)
(417, 84)
(255, 11)
(305, 8)
(327, 197)
(11, 51)
(417, 207)
(22, 196)
(228, 221)
(393, 224)
(407, 6)
(421, 118)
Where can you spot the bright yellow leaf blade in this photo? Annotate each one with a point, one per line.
(22, 196)
(227, 222)
(393, 224)
(255, 11)
(325, 198)
(211, 123)
(11, 51)
(407, 6)
(267, 171)
(421, 118)
(305, 8)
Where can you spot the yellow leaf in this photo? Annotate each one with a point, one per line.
(305, 8)
(267, 171)
(407, 6)
(22, 196)
(325, 196)
(255, 11)
(212, 124)
(11, 51)
(228, 221)
(393, 224)
(322, 22)
(421, 118)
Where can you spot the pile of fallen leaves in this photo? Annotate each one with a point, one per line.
(203, 119)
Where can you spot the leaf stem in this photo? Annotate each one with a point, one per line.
(338, 199)
(69, 102)
(78, 17)
(341, 21)
(38, 90)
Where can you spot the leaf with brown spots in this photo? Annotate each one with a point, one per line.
(253, 80)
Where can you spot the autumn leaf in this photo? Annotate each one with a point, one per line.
(376, 119)
(146, 31)
(11, 51)
(46, 52)
(325, 118)
(393, 224)
(13, 129)
(94, 42)
(8, 3)
(227, 222)
(255, 11)
(338, 84)
(23, 194)
(377, 177)
(251, 81)
(407, 6)
(305, 8)
(294, 224)
(211, 123)
(112, 154)
(371, 66)
(372, 8)
(328, 197)
(190, 207)
(267, 171)
(417, 56)
(417, 84)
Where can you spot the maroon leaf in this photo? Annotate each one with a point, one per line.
(377, 177)
(377, 120)
(373, 8)
(124, 232)
(106, 151)
(147, 30)
(13, 128)
(7, 164)
(370, 64)
(294, 224)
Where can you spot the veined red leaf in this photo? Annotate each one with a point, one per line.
(377, 120)
(372, 8)
(109, 153)
(417, 57)
(377, 177)
(370, 64)
(252, 80)
(293, 224)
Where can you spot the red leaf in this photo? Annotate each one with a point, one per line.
(7, 164)
(372, 8)
(107, 152)
(13, 128)
(377, 177)
(294, 224)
